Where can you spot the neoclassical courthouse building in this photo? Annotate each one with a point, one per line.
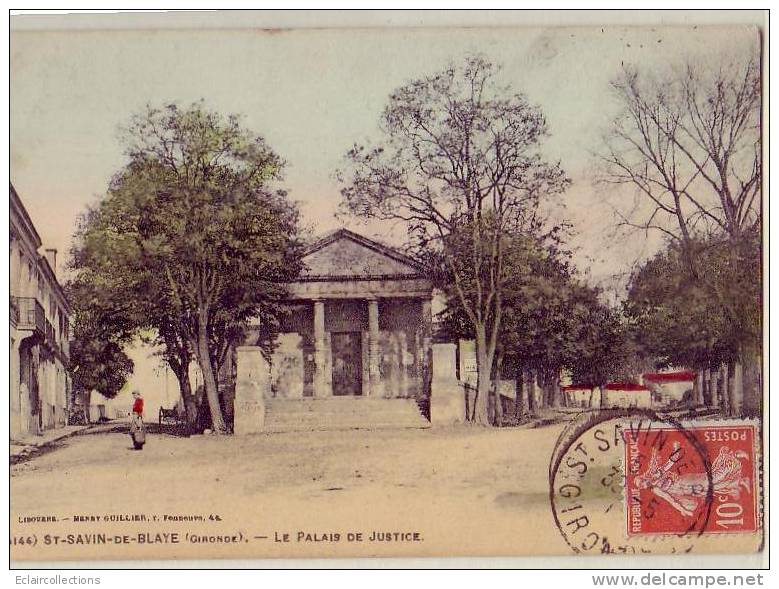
(40, 383)
(360, 323)
(356, 347)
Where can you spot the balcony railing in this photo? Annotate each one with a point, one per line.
(14, 311)
(31, 315)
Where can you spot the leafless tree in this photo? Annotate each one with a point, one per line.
(690, 143)
(459, 156)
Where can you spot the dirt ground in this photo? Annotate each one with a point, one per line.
(462, 490)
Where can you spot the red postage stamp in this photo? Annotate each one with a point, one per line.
(701, 478)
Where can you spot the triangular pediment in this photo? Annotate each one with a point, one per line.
(344, 254)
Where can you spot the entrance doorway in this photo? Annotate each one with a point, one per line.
(347, 363)
(29, 401)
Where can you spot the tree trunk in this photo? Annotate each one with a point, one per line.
(185, 388)
(530, 384)
(541, 384)
(179, 359)
(705, 392)
(547, 388)
(519, 403)
(207, 368)
(697, 389)
(602, 390)
(711, 388)
(554, 386)
(737, 388)
(483, 373)
(717, 389)
(498, 421)
(723, 374)
(752, 383)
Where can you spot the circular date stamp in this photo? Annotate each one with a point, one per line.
(634, 481)
(617, 477)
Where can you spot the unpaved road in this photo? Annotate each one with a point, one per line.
(463, 490)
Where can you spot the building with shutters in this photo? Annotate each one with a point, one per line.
(40, 331)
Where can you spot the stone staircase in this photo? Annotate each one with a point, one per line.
(342, 413)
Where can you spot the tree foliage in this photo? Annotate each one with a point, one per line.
(193, 232)
(97, 358)
(685, 322)
(690, 143)
(552, 321)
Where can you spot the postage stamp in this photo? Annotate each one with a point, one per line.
(666, 491)
(635, 481)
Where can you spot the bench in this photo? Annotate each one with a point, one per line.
(170, 416)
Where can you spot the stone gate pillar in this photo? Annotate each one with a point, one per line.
(425, 341)
(252, 383)
(447, 399)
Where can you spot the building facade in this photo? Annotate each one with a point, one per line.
(670, 388)
(359, 324)
(583, 396)
(40, 331)
(626, 394)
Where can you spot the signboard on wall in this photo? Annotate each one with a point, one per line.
(468, 366)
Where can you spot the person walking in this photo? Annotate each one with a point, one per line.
(137, 429)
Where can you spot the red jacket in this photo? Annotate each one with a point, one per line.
(138, 406)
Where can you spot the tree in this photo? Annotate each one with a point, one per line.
(607, 351)
(690, 143)
(458, 151)
(521, 254)
(551, 322)
(97, 358)
(704, 326)
(177, 354)
(128, 292)
(99, 365)
(193, 220)
(542, 316)
(556, 323)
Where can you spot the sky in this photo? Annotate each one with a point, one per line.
(312, 93)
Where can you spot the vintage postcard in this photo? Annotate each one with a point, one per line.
(385, 291)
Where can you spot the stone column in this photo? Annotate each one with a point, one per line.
(403, 362)
(374, 369)
(322, 384)
(252, 383)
